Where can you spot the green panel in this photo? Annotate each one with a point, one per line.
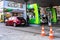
(37, 19)
(54, 15)
(30, 6)
(7, 10)
(32, 21)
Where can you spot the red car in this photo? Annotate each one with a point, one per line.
(15, 21)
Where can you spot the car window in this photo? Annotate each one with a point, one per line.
(20, 18)
(12, 18)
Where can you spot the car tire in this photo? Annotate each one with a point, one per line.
(14, 24)
(6, 24)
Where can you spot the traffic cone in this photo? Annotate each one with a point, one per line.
(42, 31)
(51, 33)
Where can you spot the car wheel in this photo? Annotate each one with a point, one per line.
(14, 24)
(6, 24)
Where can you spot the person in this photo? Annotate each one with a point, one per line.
(27, 20)
(49, 18)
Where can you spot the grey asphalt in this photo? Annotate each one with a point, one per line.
(26, 33)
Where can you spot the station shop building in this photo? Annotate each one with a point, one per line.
(9, 8)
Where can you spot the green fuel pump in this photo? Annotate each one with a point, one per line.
(53, 13)
(34, 15)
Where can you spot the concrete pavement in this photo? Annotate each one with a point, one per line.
(37, 30)
(25, 33)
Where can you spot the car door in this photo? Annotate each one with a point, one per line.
(10, 21)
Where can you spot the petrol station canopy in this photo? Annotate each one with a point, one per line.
(42, 3)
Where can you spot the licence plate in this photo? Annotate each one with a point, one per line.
(22, 23)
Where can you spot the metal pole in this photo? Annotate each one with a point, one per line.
(26, 13)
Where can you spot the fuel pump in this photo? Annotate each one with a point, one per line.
(49, 16)
(52, 15)
(34, 16)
